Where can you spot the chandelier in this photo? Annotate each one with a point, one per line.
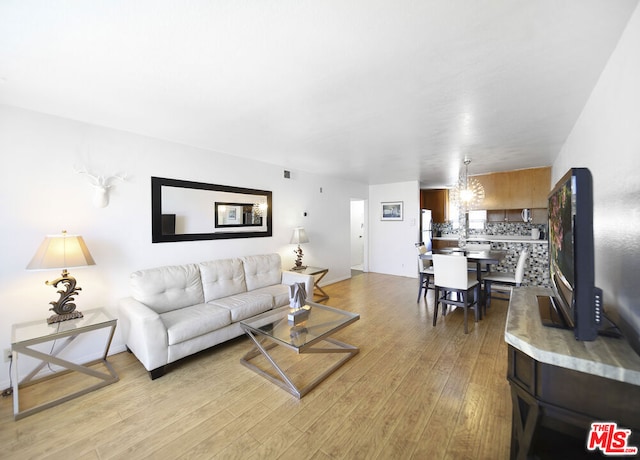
(468, 192)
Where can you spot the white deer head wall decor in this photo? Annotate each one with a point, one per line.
(101, 185)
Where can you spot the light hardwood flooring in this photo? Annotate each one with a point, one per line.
(413, 391)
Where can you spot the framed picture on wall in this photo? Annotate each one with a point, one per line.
(391, 210)
(228, 214)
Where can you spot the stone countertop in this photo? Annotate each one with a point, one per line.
(607, 357)
(493, 238)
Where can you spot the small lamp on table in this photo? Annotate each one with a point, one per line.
(299, 236)
(62, 251)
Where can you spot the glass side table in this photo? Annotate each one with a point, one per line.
(26, 336)
(318, 273)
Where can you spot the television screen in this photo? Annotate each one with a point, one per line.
(576, 301)
(561, 260)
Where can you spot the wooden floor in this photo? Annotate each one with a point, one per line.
(413, 391)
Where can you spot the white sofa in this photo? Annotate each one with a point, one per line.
(176, 311)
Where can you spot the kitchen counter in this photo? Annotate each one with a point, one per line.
(493, 239)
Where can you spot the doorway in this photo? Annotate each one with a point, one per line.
(358, 237)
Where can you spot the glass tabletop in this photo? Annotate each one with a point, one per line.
(39, 329)
(311, 270)
(321, 322)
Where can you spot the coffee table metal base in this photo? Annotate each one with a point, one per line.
(264, 344)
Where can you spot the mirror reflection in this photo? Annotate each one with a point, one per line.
(240, 214)
(187, 211)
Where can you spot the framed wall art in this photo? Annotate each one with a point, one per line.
(391, 210)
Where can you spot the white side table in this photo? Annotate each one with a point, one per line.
(24, 338)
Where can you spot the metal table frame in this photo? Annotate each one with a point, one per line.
(69, 334)
(264, 342)
(314, 271)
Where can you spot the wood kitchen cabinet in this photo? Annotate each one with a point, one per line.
(438, 201)
(524, 188)
(538, 215)
(443, 244)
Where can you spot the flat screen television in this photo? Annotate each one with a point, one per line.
(576, 302)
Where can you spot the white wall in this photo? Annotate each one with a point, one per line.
(41, 194)
(392, 243)
(606, 139)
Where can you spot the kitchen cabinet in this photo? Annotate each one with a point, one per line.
(438, 201)
(443, 244)
(523, 188)
(538, 215)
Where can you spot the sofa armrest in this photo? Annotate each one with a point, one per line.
(292, 277)
(144, 333)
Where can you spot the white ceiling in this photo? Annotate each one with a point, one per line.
(375, 91)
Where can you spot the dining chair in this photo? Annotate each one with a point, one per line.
(425, 270)
(457, 286)
(504, 279)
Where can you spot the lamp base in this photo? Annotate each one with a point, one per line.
(64, 317)
(64, 308)
(298, 262)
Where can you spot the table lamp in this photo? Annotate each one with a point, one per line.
(299, 236)
(62, 251)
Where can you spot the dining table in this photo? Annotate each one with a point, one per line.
(486, 258)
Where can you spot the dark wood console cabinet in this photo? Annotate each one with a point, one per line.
(553, 404)
(553, 408)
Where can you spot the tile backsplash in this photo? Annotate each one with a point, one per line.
(510, 228)
(492, 228)
(537, 266)
(536, 269)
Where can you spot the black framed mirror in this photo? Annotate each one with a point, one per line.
(190, 211)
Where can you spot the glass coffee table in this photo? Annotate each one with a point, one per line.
(272, 329)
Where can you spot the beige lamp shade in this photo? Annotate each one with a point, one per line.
(299, 236)
(61, 251)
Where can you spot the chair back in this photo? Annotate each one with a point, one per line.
(423, 264)
(519, 275)
(450, 271)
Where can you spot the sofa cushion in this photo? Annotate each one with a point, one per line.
(245, 305)
(189, 322)
(279, 292)
(222, 278)
(262, 270)
(167, 288)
